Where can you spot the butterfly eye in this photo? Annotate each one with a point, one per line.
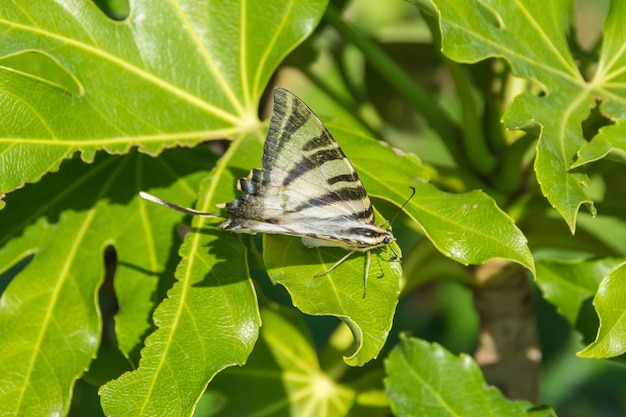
(364, 232)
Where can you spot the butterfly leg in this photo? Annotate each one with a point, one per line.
(367, 273)
(339, 262)
(393, 257)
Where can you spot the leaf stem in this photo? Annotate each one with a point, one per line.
(510, 174)
(474, 140)
(475, 143)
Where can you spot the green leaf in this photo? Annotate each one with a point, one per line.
(136, 291)
(209, 321)
(609, 303)
(49, 319)
(283, 376)
(168, 75)
(541, 411)
(171, 74)
(469, 227)
(424, 379)
(532, 38)
(568, 284)
(340, 293)
(609, 142)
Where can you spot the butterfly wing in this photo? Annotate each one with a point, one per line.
(307, 186)
(303, 160)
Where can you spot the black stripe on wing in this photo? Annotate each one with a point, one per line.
(323, 140)
(338, 196)
(290, 114)
(342, 178)
(310, 162)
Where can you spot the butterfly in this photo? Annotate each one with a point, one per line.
(306, 188)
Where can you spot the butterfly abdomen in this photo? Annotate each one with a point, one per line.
(360, 238)
(250, 204)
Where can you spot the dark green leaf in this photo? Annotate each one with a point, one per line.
(468, 228)
(609, 142)
(568, 284)
(424, 379)
(609, 303)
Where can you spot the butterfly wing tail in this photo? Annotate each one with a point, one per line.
(176, 207)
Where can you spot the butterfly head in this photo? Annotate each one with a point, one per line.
(370, 236)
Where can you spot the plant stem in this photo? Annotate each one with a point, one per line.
(397, 77)
(475, 142)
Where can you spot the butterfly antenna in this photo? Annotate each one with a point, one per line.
(403, 205)
(173, 206)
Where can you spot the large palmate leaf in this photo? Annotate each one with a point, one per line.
(50, 324)
(173, 73)
(532, 37)
(209, 320)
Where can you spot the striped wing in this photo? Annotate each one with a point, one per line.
(307, 186)
(303, 162)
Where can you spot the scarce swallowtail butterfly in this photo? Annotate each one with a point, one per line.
(306, 188)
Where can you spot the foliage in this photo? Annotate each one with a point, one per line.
(411, 382)
(109, 299)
